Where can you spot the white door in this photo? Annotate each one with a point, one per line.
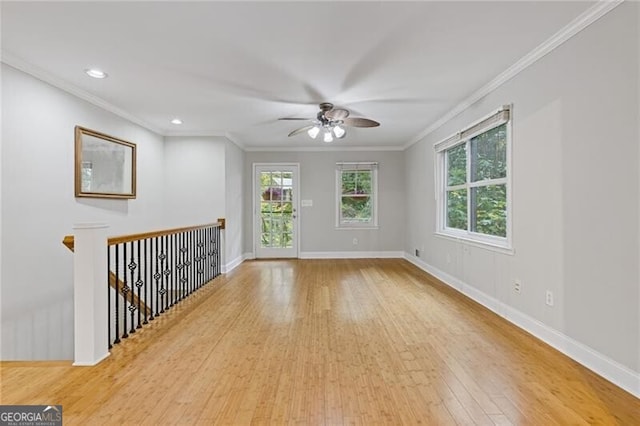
(276, 210)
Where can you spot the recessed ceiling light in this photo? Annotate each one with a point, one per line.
(95, 73)
(176, 121)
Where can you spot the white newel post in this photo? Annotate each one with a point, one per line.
(90, 293)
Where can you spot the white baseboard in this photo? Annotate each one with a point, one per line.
(91, 363)
(350, 254)
(602, 365)
(249, 256)
(230, 266)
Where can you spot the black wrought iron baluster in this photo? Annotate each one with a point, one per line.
(172, 238)
(132, 283)
(189, 263)
(117, 293)
(194, 265)
(207, 256)
(217, 251)
(202, 256)
(183, 271)
(125, 289)
(139, 284)
(207, 246)
(213, 251)
(108, 298)
(177, 270)
(163, 289)
(198, 259)
(156, 275)
(169, 276)
(146, 276)
(167, 272)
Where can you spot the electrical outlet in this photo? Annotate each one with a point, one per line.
(355, 241)
(549, 298)
(517, 286)
(448, 258)
(417, 253)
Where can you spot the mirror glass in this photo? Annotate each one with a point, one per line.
(105, 166)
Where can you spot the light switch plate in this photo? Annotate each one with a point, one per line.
(306, 203)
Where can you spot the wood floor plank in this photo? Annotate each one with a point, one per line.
(325, 342)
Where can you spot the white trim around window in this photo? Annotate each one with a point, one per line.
(366, 193)
(458, 182)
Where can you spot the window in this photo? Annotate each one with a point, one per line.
(473, 182)
(356, 190)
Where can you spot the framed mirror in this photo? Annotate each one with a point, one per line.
(105, 167)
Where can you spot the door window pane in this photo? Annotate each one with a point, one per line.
(276, 209)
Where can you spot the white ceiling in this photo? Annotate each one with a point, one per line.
(234, 68)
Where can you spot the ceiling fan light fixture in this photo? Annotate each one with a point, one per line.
(313, 132)
(331, 122)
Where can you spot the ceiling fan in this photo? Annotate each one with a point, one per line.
(331, 120)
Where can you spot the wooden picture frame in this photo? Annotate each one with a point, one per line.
(105, 166)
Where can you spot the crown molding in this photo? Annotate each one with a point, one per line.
(323, 148)
(47, 77)
(581, 22)
(235, 141)
(194, 134)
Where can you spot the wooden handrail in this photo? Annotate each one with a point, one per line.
(68, 240)
(135, 237)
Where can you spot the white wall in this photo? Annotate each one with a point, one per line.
(576, 192)
(39, 209)
(317, 183)
(194, 177)
(234, 211)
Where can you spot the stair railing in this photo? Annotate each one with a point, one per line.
(147, 274)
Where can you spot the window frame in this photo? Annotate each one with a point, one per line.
(357, 166)
(463, 137)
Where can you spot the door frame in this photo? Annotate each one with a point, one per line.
(296, 205)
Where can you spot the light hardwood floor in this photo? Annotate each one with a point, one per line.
(325, 342)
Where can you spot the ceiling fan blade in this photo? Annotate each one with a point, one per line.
(300, 130)
(337, 114)
(360, 122)
(295, 118)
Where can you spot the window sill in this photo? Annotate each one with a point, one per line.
(477, 243)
